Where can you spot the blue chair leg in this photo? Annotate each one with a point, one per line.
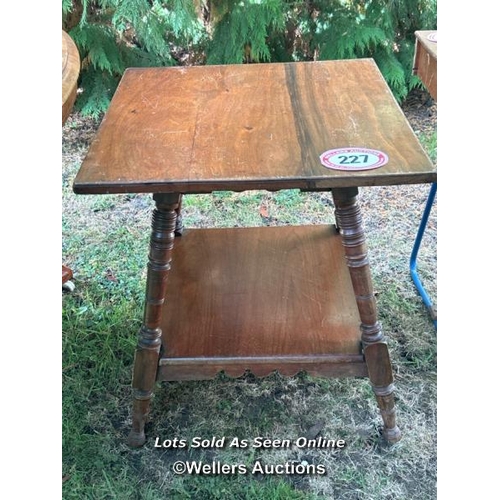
(414, 253)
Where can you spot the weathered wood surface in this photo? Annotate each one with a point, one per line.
(258, 126)
(425, 61)
(70, 72)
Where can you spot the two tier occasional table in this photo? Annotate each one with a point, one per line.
(287, 298)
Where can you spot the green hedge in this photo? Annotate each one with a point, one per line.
(112, 35)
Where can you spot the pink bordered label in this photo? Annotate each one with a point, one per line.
(433, 37)
(353, 159)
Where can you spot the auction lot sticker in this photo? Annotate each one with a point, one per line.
(353, 159)
(433, 37)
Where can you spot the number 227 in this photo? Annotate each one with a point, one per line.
(352, 159)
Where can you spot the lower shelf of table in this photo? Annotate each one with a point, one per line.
(260, 299)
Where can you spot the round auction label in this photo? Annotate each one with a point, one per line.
(353, 159)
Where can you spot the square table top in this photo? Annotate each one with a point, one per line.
(249, 126)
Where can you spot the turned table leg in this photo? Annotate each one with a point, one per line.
(179, 225)
(149, 342)
(348, 217)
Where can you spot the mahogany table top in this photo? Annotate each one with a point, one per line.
(254, 126)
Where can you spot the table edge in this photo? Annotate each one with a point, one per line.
(310, 184)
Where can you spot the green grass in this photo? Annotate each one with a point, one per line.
(105, 242)
(429, 142)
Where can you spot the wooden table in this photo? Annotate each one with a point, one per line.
(425, 60)
(70, 72)
(267, 298)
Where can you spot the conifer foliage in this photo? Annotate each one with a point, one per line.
(112, 35)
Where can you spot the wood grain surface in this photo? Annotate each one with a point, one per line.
(425, 61)
(257, 126)
(70, 72)
(250, 297)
